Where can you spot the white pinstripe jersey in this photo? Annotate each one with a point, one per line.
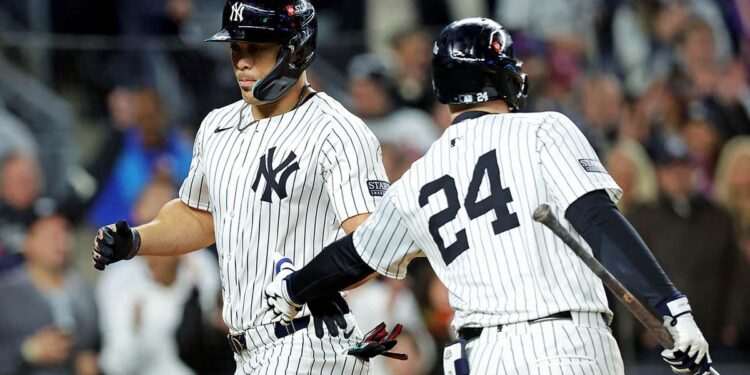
(467, 206)
(282, 184)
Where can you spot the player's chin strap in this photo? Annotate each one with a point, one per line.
(280, 79)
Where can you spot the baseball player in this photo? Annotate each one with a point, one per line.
(524, 303)
(285, 170)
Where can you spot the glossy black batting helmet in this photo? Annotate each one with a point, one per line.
(291, 23)
(473, 62)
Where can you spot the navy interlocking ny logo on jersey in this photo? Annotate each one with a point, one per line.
(268, 172)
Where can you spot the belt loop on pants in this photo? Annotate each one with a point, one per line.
(470, 333)
(238, 343)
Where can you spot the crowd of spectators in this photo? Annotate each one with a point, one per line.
(660, 88)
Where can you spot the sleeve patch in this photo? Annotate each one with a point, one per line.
(377, 187)
(591, 165)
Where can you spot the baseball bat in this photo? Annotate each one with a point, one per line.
(544, 215)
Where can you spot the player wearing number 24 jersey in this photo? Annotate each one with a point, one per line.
(524, 303)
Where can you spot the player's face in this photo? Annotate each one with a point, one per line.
(251, 62)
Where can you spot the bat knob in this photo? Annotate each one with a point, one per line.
(542, 213)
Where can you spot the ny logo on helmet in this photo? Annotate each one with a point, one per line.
(268, 172)
(237, 9)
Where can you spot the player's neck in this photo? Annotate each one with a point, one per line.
(494, 106)
(296, 94)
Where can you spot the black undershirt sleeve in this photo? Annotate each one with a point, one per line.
(336, 268)
(619, 248)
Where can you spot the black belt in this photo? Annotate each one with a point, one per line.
(237, 341)
(470, 333)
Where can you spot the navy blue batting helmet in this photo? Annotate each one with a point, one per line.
(473, 62)
(292, 23)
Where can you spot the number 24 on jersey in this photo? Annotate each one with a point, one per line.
(497, 201)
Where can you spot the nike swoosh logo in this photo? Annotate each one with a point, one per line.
(219, 130)
(348, 334)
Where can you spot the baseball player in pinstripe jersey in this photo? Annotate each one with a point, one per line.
(524, 303)
(285, 170)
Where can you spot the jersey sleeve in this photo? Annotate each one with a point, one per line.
(353, 169)
(383, 240)
(194, 191)
(569, 165)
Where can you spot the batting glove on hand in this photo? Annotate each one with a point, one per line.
(378, 342)
(114, 243)
(690, 352)
(280, 301)
(329, 310)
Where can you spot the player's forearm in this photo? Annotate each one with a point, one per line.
(177, 229)
(336, 268)
(619, 247)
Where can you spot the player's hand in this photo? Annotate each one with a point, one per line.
(378, 342)
(690, 353)
(329, 310)
(280, 302)
(114, 243)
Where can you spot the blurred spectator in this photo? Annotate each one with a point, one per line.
(140, 322)
(370, 89)
(730, 102)
(152, 148)
(602, 105)
(48, 321)
(21, 182)
(653, 117)
(20, 204)
(15, 136)
(733, 191)
(553, 19)
(645, 32)
(630, 166)
(676, 228)
(555, 67)
(718, 92)
(392, 302)
(122, 115)
(384, 17)
(733, 182)
(703, 143)
(412, 59)
(696, 57)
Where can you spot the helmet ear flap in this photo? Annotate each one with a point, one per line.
(510, 84)
(292, 60)
(271, 87)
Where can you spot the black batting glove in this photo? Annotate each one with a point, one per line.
(329, 310)
(112, 245)
(378, 342)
